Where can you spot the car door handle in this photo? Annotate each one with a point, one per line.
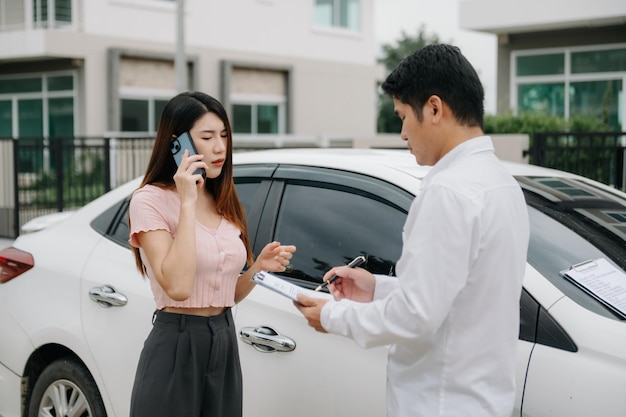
(266, 339)
(107, 296)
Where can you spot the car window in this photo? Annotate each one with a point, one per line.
(113, 223)
(247, 193)
(332, 226)
(570, 225)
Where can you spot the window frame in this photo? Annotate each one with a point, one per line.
(337, 17)
(44, 95)
(256, 100)
(262, 222)
(144, 94)
(48, 18)
(567, 78)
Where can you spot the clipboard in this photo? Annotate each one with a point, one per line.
(601, 280)
(282, 286)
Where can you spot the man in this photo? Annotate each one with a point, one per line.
(451, 316)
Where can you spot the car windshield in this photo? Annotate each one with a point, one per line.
(572, 221)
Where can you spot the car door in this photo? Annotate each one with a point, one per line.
(577, 365)
(116, 306)
(331, 217)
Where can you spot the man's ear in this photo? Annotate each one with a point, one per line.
(436, 106)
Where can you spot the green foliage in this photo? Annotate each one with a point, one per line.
(582, 123)
(81, 181)
(387, 121)
(392, 54)
(528, 123)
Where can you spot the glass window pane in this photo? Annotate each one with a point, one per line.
(30, 118)
(242, 118)
(6, 120)
(267, 119)
(324, 12)
(325, 238)
(63, 12)
(134, 114)
(61, 117)
(158, 110)
(554, 247)
(541, 98)
(247, 193)
(40, 10)
(61, 83)
(548, 64)
(349, 14)
(30, 126)
(599, 99)
(599, 61)
(21, 85)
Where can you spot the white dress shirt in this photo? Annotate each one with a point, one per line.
(451, 317)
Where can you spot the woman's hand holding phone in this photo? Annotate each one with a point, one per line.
(186, 156)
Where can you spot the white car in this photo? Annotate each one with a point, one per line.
(74, 312)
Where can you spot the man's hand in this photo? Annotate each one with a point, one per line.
(311, 308)
(356, 284)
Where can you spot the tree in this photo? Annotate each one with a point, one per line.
(391, 56)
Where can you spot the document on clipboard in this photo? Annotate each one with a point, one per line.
(602, 281)
(281, 286)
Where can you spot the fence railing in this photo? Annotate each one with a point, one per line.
(597, 155)
(41, 176)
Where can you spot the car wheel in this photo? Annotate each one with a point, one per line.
(66, 389)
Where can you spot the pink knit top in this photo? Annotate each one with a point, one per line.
(221, 252)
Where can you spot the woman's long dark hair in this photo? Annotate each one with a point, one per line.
(179, 116)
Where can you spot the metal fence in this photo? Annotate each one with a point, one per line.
(41, 176)
(597, 155)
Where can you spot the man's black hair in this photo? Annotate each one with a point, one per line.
(443, 71)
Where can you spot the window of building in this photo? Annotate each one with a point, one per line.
(338, 13)
(547, 64)
(609, 60)
(257, 118)
(599, 99)
(37, 108)
(52, 13)
(548, 98)
(6, 120)
(141, 115)
(258, 99)
(145, 87)
(585, 82)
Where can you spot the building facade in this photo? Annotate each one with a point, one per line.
(557, 57)
(291, 69)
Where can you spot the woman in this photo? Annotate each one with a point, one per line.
(189, 238)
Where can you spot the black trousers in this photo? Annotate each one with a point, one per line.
(189, 367)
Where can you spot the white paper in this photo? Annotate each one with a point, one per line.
(604, 281)
(281, 286)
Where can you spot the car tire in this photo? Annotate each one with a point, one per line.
(65, 388)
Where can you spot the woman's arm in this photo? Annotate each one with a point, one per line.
(173, 260)
(273, 258)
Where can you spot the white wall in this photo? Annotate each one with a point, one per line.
(510, 16)
(276, 27)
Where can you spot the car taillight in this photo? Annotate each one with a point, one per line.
(14, 262)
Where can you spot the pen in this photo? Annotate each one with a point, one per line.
(353, 264)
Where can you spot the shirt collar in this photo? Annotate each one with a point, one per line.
(469, 147)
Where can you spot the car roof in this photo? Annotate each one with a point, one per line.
(370, 161)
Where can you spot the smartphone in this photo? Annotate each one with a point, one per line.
(178, 147)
